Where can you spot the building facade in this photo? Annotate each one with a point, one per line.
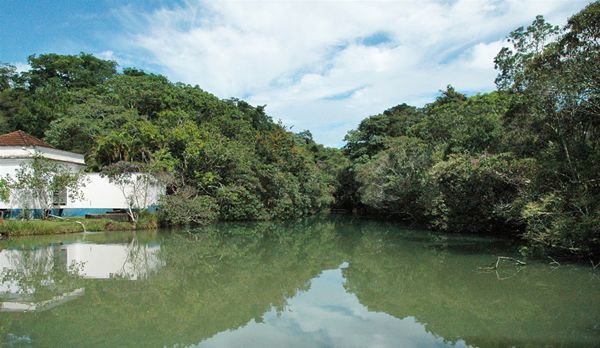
(99, 195)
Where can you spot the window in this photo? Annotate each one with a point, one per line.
(59, 197)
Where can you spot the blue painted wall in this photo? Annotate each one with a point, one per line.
(66, 212)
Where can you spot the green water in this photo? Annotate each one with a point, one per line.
(324, 282)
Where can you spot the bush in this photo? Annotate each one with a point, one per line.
(238, 203)
(392, 181)
(556, 225)
(181, 210)
(475, 194)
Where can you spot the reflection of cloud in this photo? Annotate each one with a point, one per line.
(327, 315)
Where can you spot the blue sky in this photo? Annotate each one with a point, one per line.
(320, 65)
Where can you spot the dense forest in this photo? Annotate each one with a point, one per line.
(522, 161)
(218, 158)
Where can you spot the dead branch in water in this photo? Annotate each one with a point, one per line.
(496, 265)
(553, 262)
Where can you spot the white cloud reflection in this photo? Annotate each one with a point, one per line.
(328, 316)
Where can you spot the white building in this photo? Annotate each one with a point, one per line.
(99, 195)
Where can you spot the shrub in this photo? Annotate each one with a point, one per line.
(392, 181)
(238, 203)
(474, 194)
(181, 210)
(556, 224)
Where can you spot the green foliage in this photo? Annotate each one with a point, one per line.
(75, 71)
(370, 137)
(463, 125)
(477, 194)
(393, 181)
(84, 122)
(4, 190)
(180, 209)
(560, 225)
(37, 181)
(17, 228)
(239, 203)
(227, 151)
(521, 161)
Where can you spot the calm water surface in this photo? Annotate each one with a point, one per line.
(326, 282)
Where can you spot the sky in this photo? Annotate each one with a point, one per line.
(317, 65)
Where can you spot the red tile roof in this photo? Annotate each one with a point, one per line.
(20, 138)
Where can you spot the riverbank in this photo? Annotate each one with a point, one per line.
(15, 228)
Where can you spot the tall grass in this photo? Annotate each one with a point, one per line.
(70, 225)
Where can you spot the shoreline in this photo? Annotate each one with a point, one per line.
(19, 228)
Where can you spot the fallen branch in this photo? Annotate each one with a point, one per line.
(554, 262)
(496, 265)
(82, 225)
(62, 218)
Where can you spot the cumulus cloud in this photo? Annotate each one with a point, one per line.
(326, 65)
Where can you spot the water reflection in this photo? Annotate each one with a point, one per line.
(103, 261)
(327, 316)
(43, 277)
(321, 282)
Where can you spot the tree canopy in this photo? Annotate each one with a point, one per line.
(226, 155)
(522, 161)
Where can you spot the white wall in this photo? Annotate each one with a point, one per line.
(98, 192)
(9, 166)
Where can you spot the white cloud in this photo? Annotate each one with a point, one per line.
(310, 62)
(21, 67)
(106, 55)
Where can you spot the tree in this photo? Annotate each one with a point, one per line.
(477, 194)
(392, 181)
(76, 71)
(370, 137)
(135, 183)
(555, 117)
(41, 182)
(4, 190)
(7, 75)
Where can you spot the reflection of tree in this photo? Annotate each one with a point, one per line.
(441, 288)
(220, 277)
(213, 279)
(37, 274)
(141, 260)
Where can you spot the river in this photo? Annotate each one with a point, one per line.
(321, 282)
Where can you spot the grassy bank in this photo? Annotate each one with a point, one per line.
(70, 225)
